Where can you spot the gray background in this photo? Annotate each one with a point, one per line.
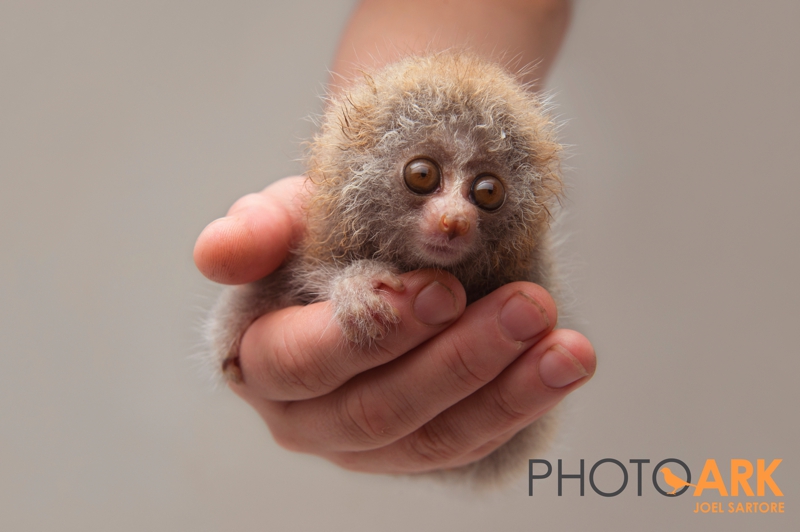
(125, 127)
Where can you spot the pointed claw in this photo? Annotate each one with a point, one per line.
(389, 279)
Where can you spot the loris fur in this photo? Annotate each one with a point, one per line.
(470, 117)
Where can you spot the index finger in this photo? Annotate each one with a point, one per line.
(254, 238)
(300, 352)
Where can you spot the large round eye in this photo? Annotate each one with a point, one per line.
(422, 176)
(488, 192)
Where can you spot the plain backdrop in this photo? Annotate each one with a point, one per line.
(125, 127)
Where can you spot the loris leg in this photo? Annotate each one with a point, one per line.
(358, 296)
(237, 308)
(356, 292)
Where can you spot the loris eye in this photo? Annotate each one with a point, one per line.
(488, 192)
(422, 176)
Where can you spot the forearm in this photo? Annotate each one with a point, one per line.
(516, 33)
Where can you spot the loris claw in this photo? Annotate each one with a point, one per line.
(361, 308)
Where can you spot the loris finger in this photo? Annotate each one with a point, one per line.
(300, 352)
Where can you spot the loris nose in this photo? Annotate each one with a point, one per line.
(454, 225)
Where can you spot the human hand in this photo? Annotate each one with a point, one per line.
(446, 387)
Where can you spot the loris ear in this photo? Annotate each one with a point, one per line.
(356, 115)
(349, 131)
(549, 187)
(552, 192)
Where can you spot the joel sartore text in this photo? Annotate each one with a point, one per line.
(671, 477)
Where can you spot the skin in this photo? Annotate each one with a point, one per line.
(516, 33)
(426, 397)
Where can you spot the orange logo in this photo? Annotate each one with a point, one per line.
(674, 481)
(744, 477)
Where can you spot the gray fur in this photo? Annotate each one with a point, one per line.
(364, 224)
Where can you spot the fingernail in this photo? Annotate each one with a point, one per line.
(523, 317)
(435, 304)
(558, 368)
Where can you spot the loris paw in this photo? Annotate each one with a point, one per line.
(359, 298)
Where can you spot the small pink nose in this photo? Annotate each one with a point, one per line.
(454, 226)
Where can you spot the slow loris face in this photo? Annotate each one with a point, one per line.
(454, 204)
(443, 161)
(446, 193)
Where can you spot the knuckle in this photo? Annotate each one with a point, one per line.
(380, 352)
(481, 452)
(433, 445)
(367, 423)
(469, 368)
(295, 368)
(286, 440)
(507, 407)
(284, 429)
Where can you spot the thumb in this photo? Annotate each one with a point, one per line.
(255, 236)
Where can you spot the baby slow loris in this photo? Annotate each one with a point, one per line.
(440, 161)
